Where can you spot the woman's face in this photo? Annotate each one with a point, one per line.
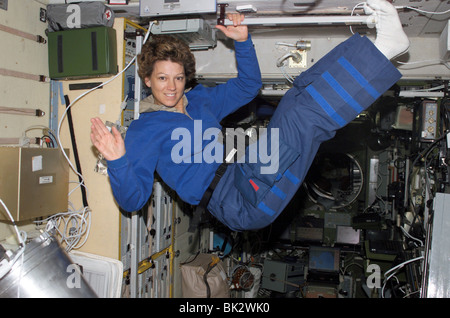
(167, 83)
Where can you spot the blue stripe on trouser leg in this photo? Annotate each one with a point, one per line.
(359, 77)
(304, 124)
(266, 209)
(325, 106)
(278, 192)
(291, 177)
(342, 92)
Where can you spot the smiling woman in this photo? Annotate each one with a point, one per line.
(241, 195)
(167, 66)
(166, 48)
(167, 83)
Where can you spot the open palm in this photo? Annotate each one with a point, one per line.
(110, 145)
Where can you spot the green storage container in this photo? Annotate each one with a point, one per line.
(82, 53)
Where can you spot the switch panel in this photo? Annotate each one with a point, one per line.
(429, 120)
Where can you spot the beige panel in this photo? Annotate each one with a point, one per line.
(23, 55)
(34, 182)
(105, 103)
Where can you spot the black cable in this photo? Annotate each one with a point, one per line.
(205, 279)
(425, 152)
(75, 151)
(49, 143)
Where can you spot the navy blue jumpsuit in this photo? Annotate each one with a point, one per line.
(323, 99)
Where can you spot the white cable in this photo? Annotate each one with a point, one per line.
(285, 44)
(429, 62)
(71, 226)
(402, 264)
(89, 91)
(77, 224)
(286, 75)
(353, 11)
(393, 269)
(422, 11)
(51, 133)
(281, 60)
(428, 89)
(72, 103)
(78, 186)
(410, 236)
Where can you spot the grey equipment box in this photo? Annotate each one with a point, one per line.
(82, 53)
(196, 32)
(34, 182)
(282, 276)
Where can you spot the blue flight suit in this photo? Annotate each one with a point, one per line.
(323, 99)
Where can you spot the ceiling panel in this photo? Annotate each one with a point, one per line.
(415, 23)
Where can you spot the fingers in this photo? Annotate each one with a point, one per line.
(93, 139)
(237, 31)
(221, 28)
(116, 133)
(110, 144)
(98, 126)
(236, 18)
(98, 131)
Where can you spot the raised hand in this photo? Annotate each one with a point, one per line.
(237, 31)
(110, 145)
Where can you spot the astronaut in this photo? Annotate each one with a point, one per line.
(242, 195)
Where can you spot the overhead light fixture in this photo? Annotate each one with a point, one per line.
(412, 94)
(118, 2)
(311, 19)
